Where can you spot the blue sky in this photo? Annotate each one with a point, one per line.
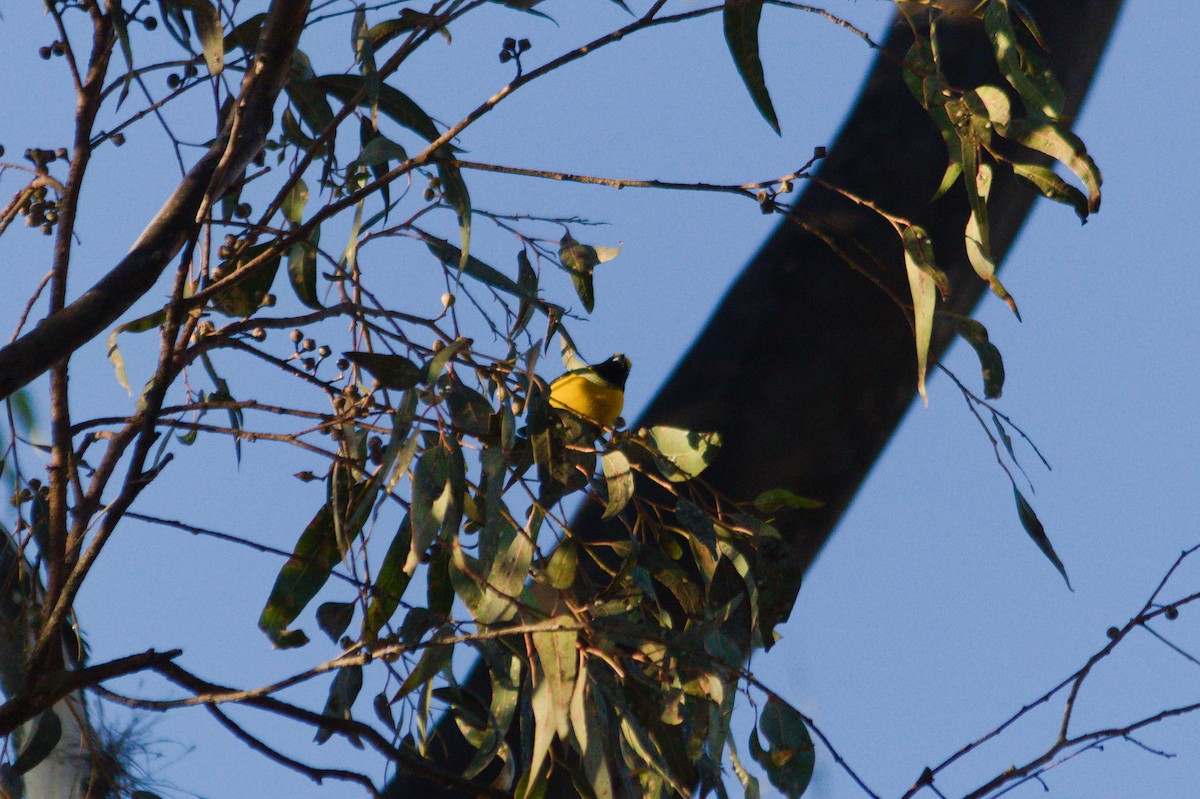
(930, 617)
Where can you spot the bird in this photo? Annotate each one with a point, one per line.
(595, 393)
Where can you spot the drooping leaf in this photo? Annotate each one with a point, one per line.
(1037, 532)
(342, 692)
(790, 756)
(207, 20)
(454, 189)
(392, 371)
(741, 34)
(990, 361)
(432, 496)
(505, 671)
(558, 658)
(148, 322)
(527, 285)
(390, 582)
(1024, 69)
(1052, 187)
(580, 261)
(302, 269)
(334, 617)
(308, 569)
(924, 280)
(682, 454)
(618, 479)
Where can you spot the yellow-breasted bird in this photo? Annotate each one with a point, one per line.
(595, 393)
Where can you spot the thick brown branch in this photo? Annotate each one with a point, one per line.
(64, 331)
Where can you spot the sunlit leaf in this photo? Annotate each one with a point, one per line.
(924, 280)
(560, 571)
(1025, 70)
(294, 202)
(682, 454)
(741, 34)
(618, 479)
(580, 261)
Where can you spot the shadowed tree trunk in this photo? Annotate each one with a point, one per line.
(807, 367)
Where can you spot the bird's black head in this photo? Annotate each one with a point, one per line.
(615, 370)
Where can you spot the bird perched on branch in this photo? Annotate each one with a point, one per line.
(595, 393)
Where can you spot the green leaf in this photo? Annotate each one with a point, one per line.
(470, 411)
(342, 692)
(246, 296)
(451, 256)
(437, 363)
(559, 658)
(1033, 526)
(308, 569)
(505, 671)
(741, 34)
(776, 499)
(312, 105)
(245, 35)
(294, 202)
(924, 280)
(148, 322)
(334, 617)
(207, 20)
(580, 261)
(435, 658)
(618, 479)
(990, 362)
(392, 371)
(392, 102)
(527, 285)
(432, 496)
(302, 269)
(563, 565)
(790, 755)
(1025, 71)
(390, 582)
(454, 190)
(682, 454)
(1052, 187)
